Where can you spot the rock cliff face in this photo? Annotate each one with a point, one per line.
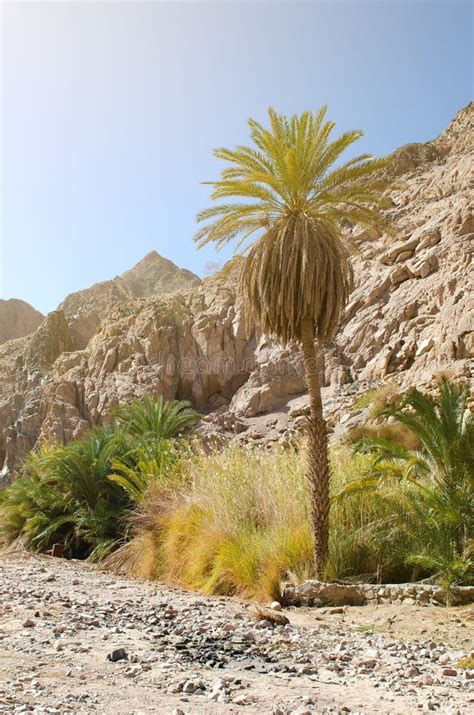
(17, 319)
(160, 330)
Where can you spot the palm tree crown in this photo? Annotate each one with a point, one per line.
(283, 200)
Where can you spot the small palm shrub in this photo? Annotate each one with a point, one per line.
(82, 494)
(434, 484)
(145, 464)
(156, 418)
(63, 495)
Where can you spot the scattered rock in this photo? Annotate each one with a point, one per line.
(450, 672)
(118, 654)
(270, 616)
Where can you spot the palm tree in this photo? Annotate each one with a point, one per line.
(284, 200)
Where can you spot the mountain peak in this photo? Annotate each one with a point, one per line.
(155, 274)
(17, 319)
(152, 275)
(458, 137)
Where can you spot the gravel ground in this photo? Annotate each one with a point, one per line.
(172, 651)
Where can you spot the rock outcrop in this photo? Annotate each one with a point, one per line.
(160, 330)
(17, 319)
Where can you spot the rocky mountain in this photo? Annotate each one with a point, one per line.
(410, 318)
(153, 275)
(17, 319)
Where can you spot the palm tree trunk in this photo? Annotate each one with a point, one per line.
(318, 466)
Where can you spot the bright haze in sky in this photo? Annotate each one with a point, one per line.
(110, 112)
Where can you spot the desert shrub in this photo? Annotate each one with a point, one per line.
(377, 397)
(391, 431)
(369, 538)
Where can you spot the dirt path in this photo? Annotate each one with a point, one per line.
(190, 654)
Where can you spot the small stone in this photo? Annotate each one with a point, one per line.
(118, 654)
(450, 672)
(29, 623)
(241, 700)
(191, 686)
(276, 605)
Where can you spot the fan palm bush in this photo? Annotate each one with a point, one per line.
(286, 202)
(145, 464)
(151, 425)
(81, 494)
(63, 495)
(435, 482)
(156, 418)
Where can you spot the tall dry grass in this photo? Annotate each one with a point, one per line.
(241, 525)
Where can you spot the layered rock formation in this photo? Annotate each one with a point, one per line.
(17, 319)
(409, 318)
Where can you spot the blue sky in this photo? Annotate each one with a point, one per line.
(110, 111)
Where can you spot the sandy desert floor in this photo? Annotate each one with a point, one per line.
(187, 653)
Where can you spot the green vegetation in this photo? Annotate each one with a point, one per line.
(155, 419)
(365, 400)
(64, 496)
(434, 483)
(80, 495)
(377, 397)
(238, 520)
(286, 201)
(242, 524)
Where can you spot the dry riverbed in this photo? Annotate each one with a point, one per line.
(185, 653)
